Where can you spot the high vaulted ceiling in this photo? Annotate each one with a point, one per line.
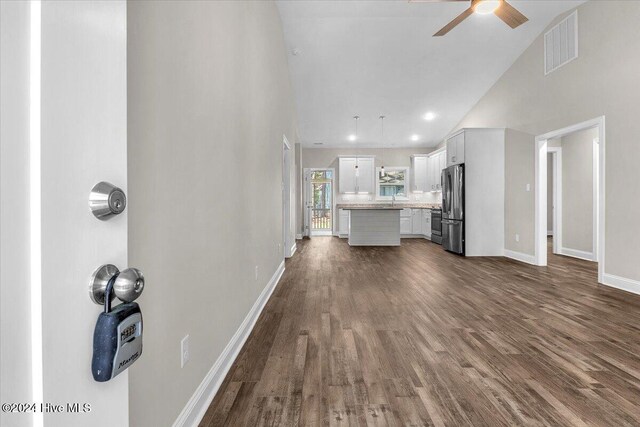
(379, 57)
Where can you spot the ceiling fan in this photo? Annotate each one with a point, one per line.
(503, 10)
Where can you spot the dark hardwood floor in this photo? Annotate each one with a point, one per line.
(413, 335)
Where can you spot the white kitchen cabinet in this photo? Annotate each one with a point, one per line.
(455, 149)
(430, 183)
(435, 172)
(416, 221)
(420, 169)
(347, 175)
(443, 165)
(343, 222)
(348, 182)
(405, 225)
(365, 181)
(435, 163)
(405, 221)
(426, 222)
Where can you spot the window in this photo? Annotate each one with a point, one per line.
(392, 183)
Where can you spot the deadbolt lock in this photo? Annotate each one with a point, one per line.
(106, 200)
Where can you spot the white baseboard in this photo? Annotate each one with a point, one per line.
(549, 233)
(588, 256)
(623, 283)
(298, 236)
(519, 256)
(292, 250)
(197, 406)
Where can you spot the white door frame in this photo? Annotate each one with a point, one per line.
(288, 244)
(307, 194)
(541, 191)
(557, 197)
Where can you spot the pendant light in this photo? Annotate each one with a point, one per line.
(356, 119)
(382, 138)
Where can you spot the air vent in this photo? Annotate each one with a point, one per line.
(561, 43)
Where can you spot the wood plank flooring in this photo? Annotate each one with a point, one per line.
(413, 335)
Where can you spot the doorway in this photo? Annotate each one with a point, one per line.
(319, 215)
(572, 215)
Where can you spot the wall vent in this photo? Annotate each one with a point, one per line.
(561, 44)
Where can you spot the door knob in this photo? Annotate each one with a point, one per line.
(127, 284)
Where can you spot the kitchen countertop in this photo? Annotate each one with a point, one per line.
(387, 206)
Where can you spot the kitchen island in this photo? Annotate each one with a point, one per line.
(374, 225)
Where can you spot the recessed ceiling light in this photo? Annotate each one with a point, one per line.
(352, 137)
(429, 116)
(486, 7)
(415, 137)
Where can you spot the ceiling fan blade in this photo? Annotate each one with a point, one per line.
(510, 15)
(451, 25)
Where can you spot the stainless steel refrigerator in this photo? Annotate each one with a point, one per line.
(453, 209)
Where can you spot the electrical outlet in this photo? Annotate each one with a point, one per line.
(279, 247)
(517, 237)
(528, 187)
(256, 272)
(184, 351)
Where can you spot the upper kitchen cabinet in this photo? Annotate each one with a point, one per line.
(350, 181)
(455, 149)
(435, 163)
(365, 180)
(420, 169)
(347, 175)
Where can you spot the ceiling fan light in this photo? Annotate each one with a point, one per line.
(485, 7)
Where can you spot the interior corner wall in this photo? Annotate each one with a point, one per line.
(602, 81)
(15, 312)
(577, 190)
(519, 204)
(209, 101)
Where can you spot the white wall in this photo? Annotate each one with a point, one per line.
(209, 101)
(15, 349)
(577, 190)
(549, 194)
(602, 81)
(518, 202)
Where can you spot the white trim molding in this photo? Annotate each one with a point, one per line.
(197, 406)
(587, 256)
(541, 191)
(622, 283)
(519, 256)
(292, 250)
(556, 152)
